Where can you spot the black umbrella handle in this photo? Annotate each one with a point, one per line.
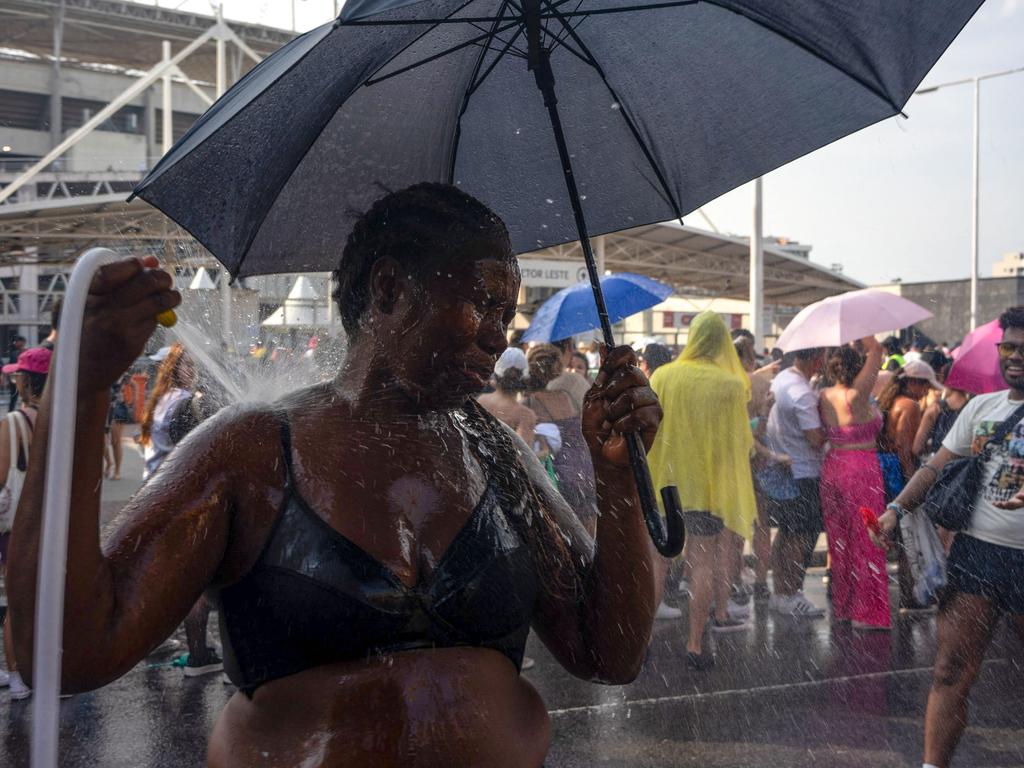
(669, 543)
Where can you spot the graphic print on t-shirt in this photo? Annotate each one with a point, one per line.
(1009, 475)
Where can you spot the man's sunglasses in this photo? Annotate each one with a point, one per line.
(1007, 349)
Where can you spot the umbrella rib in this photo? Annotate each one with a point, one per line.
(472, 87)
(419, 37)
(465, 104)
(440, 55)
(480, 38)
(488, 19)
(648, 155)
(809, 48)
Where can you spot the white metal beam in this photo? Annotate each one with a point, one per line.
(100, 117)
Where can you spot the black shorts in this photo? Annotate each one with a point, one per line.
(702, 523)
(800, 515)
(976, 567)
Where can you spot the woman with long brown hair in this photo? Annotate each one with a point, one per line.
(170, 415)
(174, 381)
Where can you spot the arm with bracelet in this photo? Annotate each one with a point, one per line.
(912, 496)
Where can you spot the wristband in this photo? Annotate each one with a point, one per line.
(899, 509)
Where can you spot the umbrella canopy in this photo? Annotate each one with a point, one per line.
(572, 310)
(976, 368)
(838, 320)
(664, 107)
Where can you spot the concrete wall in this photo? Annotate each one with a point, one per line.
(949, 301)
(78, 83)
(108, 151)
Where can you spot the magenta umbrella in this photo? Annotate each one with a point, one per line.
(976, 369)
(838, 320)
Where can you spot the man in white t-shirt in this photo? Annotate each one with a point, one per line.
(794, 430)
(986, 562)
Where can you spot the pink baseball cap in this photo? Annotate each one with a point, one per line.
(35, 360)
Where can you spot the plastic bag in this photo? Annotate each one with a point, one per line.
(925, 555)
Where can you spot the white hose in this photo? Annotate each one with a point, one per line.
(53, 545)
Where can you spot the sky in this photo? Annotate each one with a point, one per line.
(890, 202)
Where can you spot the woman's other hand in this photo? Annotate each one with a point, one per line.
(887, 524)
(620, 401)
(120, 315)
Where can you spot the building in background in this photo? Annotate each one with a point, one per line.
(949, 301)
(1011, 265)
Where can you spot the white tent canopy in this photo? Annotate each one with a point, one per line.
(302, 308)
(202, 281)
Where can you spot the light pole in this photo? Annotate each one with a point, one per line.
(975, 170)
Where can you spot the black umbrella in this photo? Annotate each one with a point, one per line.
(661, 107)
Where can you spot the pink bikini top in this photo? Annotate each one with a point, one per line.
(856, 434)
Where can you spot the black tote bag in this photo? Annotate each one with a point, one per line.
(950, 501)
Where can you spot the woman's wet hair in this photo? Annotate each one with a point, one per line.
(545, 365)
(843, 365)
(415, 226)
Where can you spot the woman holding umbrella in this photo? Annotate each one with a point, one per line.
(379, 545)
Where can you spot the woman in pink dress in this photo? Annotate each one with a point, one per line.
(850, 479)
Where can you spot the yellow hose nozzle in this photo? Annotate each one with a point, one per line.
(167, 318)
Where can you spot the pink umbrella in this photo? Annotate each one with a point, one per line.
(838, 320)
(976, 369)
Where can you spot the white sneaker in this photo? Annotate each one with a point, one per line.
(796, 605)
(5, 678)
(737, 610)
(18, 688)
(666, 612)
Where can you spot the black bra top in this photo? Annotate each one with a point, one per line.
(315, 597)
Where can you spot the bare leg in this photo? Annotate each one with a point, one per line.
(195, 632)
(703, 554)
(762, 544)
(116, 437)
(965, 629)
(788, 555)
(726, 571)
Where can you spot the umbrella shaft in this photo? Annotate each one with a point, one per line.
(546, 83)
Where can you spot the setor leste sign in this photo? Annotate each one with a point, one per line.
(548, 273)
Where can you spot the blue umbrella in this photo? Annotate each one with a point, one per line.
(662, 106)
(572, 310)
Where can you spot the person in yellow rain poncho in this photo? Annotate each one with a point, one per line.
(703, 448)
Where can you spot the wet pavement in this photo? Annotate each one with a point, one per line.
(786, 693)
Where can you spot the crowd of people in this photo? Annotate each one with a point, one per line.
(498, 511)
(802, 445)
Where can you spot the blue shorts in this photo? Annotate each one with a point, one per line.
(991, 571)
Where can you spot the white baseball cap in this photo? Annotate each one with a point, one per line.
(513, 357)
(919, 369)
